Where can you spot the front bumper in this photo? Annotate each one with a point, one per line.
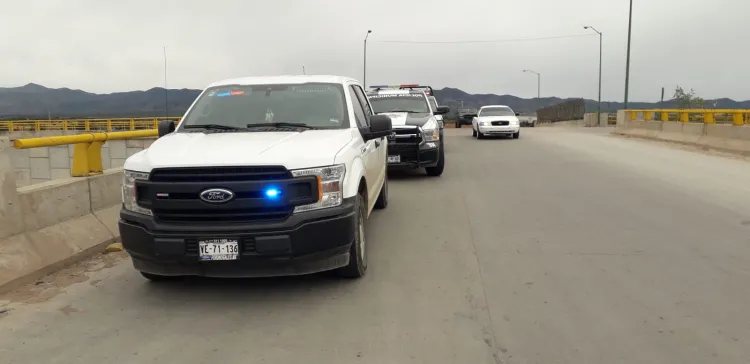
(304, 243)
(499, 130)
(414, 155)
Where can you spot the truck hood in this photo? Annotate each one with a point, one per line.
(403, 118)
(293, 150)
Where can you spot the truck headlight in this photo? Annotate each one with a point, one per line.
(129, 193)
(330, 186)
(484, 123)
(430, 131)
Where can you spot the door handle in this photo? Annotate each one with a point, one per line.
(377, 143)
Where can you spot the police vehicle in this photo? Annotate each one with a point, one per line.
(263, 176)
(417, 137)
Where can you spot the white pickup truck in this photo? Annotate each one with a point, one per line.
(263, 176)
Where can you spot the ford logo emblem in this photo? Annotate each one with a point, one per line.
(217, 195)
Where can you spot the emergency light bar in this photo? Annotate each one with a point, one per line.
(411, 86)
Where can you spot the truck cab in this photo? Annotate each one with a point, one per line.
(263, 176)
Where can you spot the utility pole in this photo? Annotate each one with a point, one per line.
(364, 76)
(166, 92)
(599, 102)
(627, 61)
(538, 84)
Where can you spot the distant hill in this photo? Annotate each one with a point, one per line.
(33, 101)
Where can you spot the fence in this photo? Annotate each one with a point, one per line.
(96, 125)
(568, 110)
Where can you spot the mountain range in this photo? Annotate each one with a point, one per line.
(34, 101)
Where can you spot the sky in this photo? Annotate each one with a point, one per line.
(108, 46)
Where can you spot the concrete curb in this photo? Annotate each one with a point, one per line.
(29, 256)
(726, 145)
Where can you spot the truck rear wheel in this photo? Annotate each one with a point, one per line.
(438, 169)
(358, 252)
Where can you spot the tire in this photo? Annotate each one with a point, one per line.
(480, 135)
(157, 278)
(516, 134)
(382, 201)
(473, 132)
(358, 252)
(438, 169)
(458, 125)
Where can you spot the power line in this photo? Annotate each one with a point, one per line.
(485, 41)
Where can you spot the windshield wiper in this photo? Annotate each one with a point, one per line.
(281, 125)
(212, 127)
(407, 111)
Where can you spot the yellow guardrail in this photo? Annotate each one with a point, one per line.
(96, 125)
(87, 152)
(707, 116)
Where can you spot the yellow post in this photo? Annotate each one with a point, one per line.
(664, 115)
(37, 126)
(708, 117)
(86, 125)
(94, 154)
(633, 115)
(11, 127)
(132, 124)
(738, 118)
(109, 125)
(80, 167)
(684, 117)
(65, 125)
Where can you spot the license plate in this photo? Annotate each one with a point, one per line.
(218, 249)
(394, 159)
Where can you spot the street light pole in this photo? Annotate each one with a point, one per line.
(599, 102)
(538, 83)
(364, 76)
(627, 61)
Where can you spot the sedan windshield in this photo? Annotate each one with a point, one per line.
(413, 103)
(308, 105)
(496, 111)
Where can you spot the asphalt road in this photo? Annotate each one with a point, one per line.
(564, 246)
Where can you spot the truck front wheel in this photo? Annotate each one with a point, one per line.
(438, 169)
(358, 252)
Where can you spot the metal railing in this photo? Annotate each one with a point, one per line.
(95, 125)
(87, 152)
(707, 116)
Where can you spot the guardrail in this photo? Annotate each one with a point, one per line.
(707, 116)
(87, 152)
(97, 125)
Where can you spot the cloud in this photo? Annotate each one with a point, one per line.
(109, 46)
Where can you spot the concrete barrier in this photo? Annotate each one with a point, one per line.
(49, 225)
(722, 137)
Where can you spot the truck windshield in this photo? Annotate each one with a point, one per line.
(317, 105)
(496, 111)
(413, 103)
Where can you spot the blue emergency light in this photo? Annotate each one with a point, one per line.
(272, 192)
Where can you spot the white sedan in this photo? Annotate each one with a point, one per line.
(496, 120)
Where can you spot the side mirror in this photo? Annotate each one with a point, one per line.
(442, 110)
(518, 114)
(165, 127)
(380, 126)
